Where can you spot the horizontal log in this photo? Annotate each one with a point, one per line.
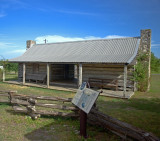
(53, 113)
(44, 112)
(42, 98)
(4, 95)
(19, 109)
(9, 91)
(4, 101)
(104, 65)
(54, 106)
(114, 125)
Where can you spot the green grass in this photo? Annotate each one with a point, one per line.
(156, 72)
(9, 76)
(142, 110)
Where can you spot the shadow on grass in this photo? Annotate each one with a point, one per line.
(68, 130)
(5, 104)
(61, 129)
(45, 133)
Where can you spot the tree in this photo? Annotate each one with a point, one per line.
(9, 66)
(155, 63)
(12, 67)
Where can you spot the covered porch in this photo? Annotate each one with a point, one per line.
(68, 77)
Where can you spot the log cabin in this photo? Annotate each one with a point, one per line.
(104, 63)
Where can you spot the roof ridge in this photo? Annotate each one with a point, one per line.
(88, 40)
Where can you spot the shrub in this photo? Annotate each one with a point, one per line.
(141, 72)
(1, 75)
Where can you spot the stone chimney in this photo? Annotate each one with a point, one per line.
(145, 47)
(30, 43)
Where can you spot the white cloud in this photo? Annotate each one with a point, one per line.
(58, 38)
(155, 45)
(114, 36)
(4, 45)
(18, 51)
(11, 50)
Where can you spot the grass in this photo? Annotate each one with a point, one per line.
(142, 111)
(156, 72)
(11, 76)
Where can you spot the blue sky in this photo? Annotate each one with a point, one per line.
(66, 20)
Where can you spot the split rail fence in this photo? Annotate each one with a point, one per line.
(63, 107)
(30, 105)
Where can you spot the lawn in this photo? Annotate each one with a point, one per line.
(142, 110)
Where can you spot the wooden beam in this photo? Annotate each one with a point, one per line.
(47, 75)
(3, 74)
(125, 80)
(24, 73)
(80, 74)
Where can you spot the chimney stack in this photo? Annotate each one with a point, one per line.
(30, 43)
(145, 47)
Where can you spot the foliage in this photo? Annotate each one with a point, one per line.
(155, 63)
(141, 72)
(3, 63)
(12, 67)
(9, 66)
(1, 75)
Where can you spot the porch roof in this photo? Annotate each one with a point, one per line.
(120, 50)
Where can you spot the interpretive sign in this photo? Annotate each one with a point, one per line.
(85, 98)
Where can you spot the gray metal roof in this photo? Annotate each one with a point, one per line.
(120, 50)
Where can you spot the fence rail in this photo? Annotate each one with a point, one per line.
(29, 104)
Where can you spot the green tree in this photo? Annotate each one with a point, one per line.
(12, 67)
(155, 63)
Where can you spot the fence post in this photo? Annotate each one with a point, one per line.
(31, 108)
(10, 95)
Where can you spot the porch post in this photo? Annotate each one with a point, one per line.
(24, 73)
(125, 80)
(47, 75)
(3, 74)
(80, 74)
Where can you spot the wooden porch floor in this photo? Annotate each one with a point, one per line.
(72, 88)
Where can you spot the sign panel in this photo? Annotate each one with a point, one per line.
(85, 98)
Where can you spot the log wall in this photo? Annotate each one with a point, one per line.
(34, 68)
(20, 71)
(31, 68)
(104, 71)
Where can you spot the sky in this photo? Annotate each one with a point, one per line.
(71, 20)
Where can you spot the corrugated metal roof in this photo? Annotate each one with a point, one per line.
(120, 50)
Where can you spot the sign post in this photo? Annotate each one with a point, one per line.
(84, 99)
(83, 124)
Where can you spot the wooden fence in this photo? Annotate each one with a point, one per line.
(30, 105)
(122, 129)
